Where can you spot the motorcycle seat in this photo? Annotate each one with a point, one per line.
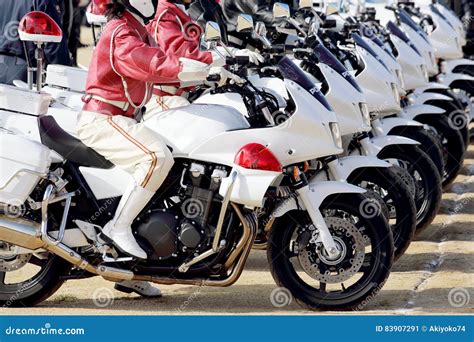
(72, 149)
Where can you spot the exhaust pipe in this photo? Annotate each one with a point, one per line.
(27, 234)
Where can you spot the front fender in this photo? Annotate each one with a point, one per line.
(342, 168)
(249, 186)
(373, 146)
(451, 79)
(431, 85)
(449, 65)
(319, 191)
(421, 98)
(414, 111)
(385, 125)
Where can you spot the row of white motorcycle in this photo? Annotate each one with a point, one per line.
(331, 156)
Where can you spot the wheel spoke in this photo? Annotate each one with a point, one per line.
(322, 287)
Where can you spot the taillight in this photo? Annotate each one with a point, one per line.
(257, 157)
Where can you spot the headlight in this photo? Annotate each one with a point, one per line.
(424, 72)
(336, 134)
(395, 92)
(364, 109)
(400, 78)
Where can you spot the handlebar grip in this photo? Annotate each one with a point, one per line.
(213, 78)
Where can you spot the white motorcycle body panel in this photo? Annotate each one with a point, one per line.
(414, 111)
(305, 136)
(391, 63)
(344, 99)
(449, 66)
(319, 191)
(249, 186)
(411, 63)
(444, 38)
(449, 79)
(16, 185)
(378, 85)
(425, 48)
(430, 86)
(70, 78)
(375, 145)
(233, 100)
(106, 183)
(343, 167)
(422, 98)
(65, 98)
(23, 100)
(452, 18)
(383, 126)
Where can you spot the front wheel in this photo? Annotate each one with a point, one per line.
(427, 180)
(299, 263)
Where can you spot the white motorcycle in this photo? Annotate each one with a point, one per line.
(201, 225)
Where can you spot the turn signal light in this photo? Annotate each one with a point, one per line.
(257, 157)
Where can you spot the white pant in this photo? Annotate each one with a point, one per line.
(129, 145)
(160, 103)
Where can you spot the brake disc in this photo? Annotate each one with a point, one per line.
(351, 244)
(10, 263)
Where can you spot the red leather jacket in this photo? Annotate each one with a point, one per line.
(176, 33)
(136, 66)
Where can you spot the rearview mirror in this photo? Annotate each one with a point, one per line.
(244, 23)
(213, 32)
(305, 4)
(281, 11)
(40, 28)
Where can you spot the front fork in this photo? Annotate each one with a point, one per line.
(301, 185)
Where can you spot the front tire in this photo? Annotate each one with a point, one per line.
(396, 195)
(427, 180)
(372, 257)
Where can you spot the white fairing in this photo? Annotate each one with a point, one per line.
(250, 186)
(391, 63)
(17, 185)
(185, 129)
(145, 7)
(233, 100)
(412, 64)
(345, 100)
(305, 136)
(378, 84)
(444, 39)
(425, 48)
(454, 21)
(70, 78)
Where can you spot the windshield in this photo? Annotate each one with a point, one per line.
(394, 29)
(359, 41)
(406, 19)
(326, 57)
(292, 72)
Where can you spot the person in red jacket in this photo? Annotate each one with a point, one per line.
(124, 68)
(175, 32)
